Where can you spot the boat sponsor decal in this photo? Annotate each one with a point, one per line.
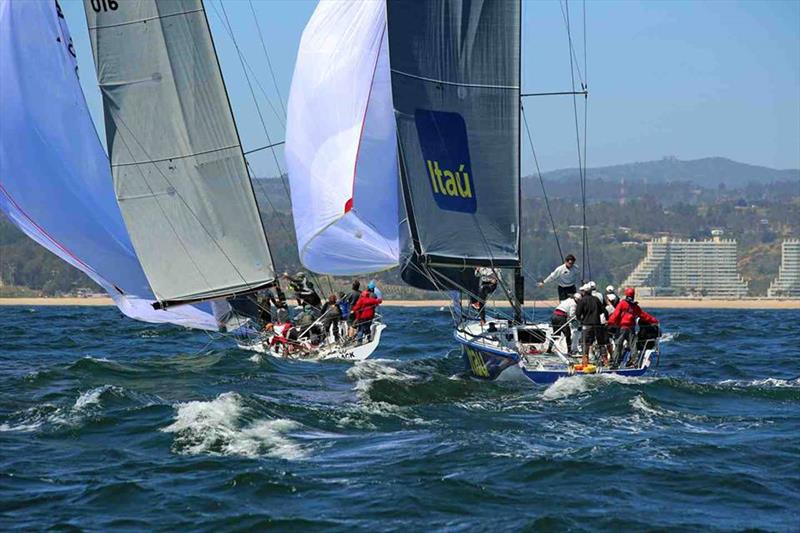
(485, 365)
(443, 139)
(476, 363)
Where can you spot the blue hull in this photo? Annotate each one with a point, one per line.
(485, 363)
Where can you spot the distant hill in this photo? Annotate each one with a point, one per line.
(709, 172)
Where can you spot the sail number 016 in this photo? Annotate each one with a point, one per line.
(104, 5)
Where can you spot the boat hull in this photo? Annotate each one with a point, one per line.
(545, 377)
(352, 353)
(484, 363)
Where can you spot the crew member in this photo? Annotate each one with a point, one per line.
(624, 317)
(303, 290)
(591, 313)
(350, 300)
(331, 315)
(372, 287)
(567, 277)
(562, 320)
(488, 279)
(364, 311)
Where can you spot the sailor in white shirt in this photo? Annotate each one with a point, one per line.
(567, 276)
(564, 314)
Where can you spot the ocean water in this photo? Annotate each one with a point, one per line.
(108, 423)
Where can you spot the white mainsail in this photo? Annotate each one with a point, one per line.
(177, 163)
(340, 142)
(55, 183)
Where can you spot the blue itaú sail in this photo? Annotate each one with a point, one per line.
(55, 181)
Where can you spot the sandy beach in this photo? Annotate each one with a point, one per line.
(654, 303)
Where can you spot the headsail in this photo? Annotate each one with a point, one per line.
(55, 183)
(179, 172)
(340, 142)
(455, 85)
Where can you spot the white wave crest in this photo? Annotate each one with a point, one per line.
(573, 385)
(669, 336)
(92, 397)
(214, 428)
(48, 415)
(763, 383)
(365, 373)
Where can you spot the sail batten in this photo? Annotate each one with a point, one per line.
(179, 172)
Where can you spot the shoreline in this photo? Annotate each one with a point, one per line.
(653, 303)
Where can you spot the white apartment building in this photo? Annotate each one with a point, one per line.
(674, 267)
(787, 284)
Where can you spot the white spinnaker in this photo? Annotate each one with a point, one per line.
(341, 143)
(55, 181)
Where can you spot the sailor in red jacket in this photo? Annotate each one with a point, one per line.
(364, 311)
(624, 317)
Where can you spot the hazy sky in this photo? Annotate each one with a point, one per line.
(685, 78)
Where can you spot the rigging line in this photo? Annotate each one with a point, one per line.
(581, 172)
(269, 63)
(565, 18)
(271, 205)
(585, 128)
(229, 29)
(541, 181)
(462, 288)
(556, 93)
(255, 99)
(273, 145)
(509, 294)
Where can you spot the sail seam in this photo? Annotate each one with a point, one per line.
(127, 23)
(147, 161)
(455, 83)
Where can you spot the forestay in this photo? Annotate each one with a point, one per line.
(341, 144)
(55, 183)
(455, 84)
(178, 168)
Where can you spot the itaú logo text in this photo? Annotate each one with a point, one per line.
(445, 152)
(448, 182)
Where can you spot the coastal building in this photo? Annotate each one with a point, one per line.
(675, 267)
(787, 284)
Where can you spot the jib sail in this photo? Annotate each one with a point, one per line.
(179, 173)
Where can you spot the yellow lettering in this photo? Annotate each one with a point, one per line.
(464, 190)
(438, 176)
(476, 363)
(433, 177)
(450, 184)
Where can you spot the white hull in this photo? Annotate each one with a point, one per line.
(324, 352)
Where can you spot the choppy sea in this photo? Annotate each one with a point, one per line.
(106, 423)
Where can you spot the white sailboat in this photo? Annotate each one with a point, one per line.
(168, 223)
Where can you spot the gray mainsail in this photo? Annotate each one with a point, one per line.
(179, 173)
(455, 86)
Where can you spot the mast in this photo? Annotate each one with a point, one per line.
(519, 279)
